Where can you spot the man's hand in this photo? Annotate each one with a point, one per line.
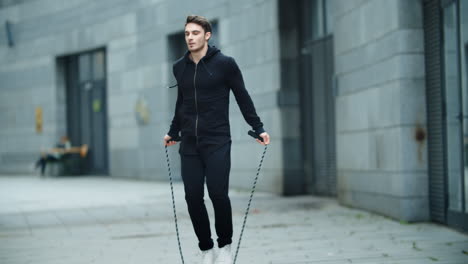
(168, 138)
(266, 139)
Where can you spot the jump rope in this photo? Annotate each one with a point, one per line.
(252, 134)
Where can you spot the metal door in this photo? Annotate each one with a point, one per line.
(87, 108)
(455, 112)
(318, 117)
(435, 111)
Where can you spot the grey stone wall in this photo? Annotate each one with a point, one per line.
(380, 108)
(380, 103)
(135, 35)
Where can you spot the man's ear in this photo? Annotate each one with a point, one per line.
(207, 36)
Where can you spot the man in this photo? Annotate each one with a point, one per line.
(54, 154)
(61, 151)
(205, 78)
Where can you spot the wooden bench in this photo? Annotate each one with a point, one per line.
(69, 163)
(83, 150)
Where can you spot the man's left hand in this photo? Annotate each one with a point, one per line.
(266, 139)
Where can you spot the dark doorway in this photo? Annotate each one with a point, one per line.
(87, 108)
(455, 114)
(446, 83)
(318, 117)
(317, 100)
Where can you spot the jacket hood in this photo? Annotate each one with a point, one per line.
(212, 50)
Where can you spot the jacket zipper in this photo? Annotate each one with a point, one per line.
(196, 105)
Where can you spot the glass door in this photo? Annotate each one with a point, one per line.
(87, 108)
(464, 88)
(456, 116)
(318, 99)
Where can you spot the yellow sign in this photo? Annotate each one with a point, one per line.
(38, 116)
(142, 111)
(96, 105)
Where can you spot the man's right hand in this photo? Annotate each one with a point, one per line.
(170, 143)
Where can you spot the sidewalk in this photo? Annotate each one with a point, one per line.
(110, 221)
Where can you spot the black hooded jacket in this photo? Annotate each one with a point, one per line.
(202, 107)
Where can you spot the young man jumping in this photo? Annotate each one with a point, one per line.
(205, 78)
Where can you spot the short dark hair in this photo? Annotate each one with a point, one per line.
(201, 21)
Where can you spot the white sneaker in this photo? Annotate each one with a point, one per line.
(224, 256)
(208, 256)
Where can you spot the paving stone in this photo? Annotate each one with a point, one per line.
(106, 220)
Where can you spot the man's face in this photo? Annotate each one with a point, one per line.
(195, 37)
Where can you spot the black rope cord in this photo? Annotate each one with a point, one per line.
(173, 206)
(248, 206)
(246, 211)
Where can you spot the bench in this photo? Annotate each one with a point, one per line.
(70, 163)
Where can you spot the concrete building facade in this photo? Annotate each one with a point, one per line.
(341, 86)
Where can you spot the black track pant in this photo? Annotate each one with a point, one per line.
(216, 167)
(42, 162)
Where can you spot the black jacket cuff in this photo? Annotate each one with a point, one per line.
(172, 134)
(259, 130)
